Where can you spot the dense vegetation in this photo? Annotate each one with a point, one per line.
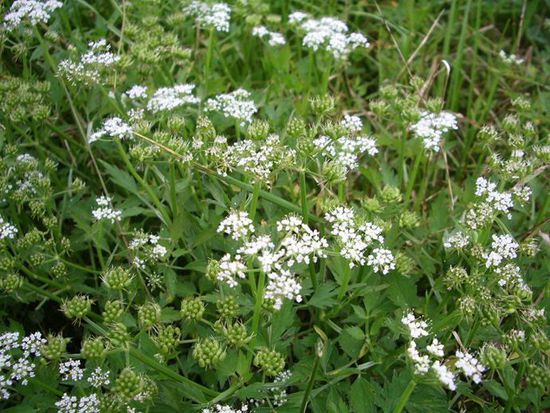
(281, 206)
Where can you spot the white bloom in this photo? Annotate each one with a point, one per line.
(105, 211)
(113, 127)
(9, 341)
(510, 59)
(99, 378)
(31, 344)
(421, 362)
(91, 65)
(352, 124)
(282, 285)
(216, 16)
(169, 98)
(236, 105)
(273, 38)
(445, 376)
(7, 230)
(237, 225)
(381, 260)
(417, 326)
(73, 404)
(457, 240)
(34, 11)
(231, 268)
(5, 383)
(71, 370)
(436, 348)
(470, 366)
(503, 247)
(137, 92)
(22, 369)
(328, 33)
(431, 127)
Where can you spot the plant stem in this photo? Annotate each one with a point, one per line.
(309, 387)
(405, 396)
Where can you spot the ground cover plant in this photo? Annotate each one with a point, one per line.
(283, 206)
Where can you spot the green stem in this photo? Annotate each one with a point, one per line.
(309, 387)
(405, 397)
(254, 202)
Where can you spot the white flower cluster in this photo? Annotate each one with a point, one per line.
(99, 378)
(431, 127)
(105, 211)
(347, 149)
(298, 244)
(7, 230)
(273, 38)
(74, 404)
(432, 360)
(470, 366)
(169, 98)
(256, 157)
(224, 408)
(328, 33)
(147, 249)
(70, 370)
(236, 105)
(14, 366)
(355, 240)
(456, 241)
(510, 59)
(91, 65)
(504, 247)
(113, 127)
(237, 225)
(136, 92)
(215, 16)
(33, 11)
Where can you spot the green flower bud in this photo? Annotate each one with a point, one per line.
(77, 307)
(488, 134)
(405, 264)
(390, 195)
(118, 335)
(455, 277)
(296, 128)
(467, 305)
(538, 376)
(372, 205)
(435, 104)
(208, 352)
(408, 219)
(93, 348)
(529, 247)
(236, 334)
(148, 315)
(176, 124)
(205, 129)
(270, 362)
(167, 338)
(258, 130)
(127, 385)
(117, 278)
(388, 92)
(55, 348)
(11, 282)
(212, 270)
(322, 105)
(514, 338)
(379, 107)
(192, 308)
(59, 270)
(227, 307)
(540, 341)
(113, 311)
(493, 356)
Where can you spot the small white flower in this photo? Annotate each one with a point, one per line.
(113, 127)
(273, 38)
(381, 260)
(31, 344)
(417, 326)
(216, 16)
(431, 127)
(445, 376)
(236, 105)
(99, 378)
(436, 348)
(421, 362)
(470, 366)
(33, 11)
(510, 59)
(105, 211)
(137, 92)
(22, 370)
(169, 98)
(70, 370)
(7, 230)
(237, 225)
